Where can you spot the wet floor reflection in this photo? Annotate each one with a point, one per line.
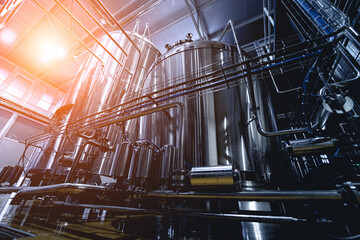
(48, 221)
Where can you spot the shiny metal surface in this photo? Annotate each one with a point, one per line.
(253, 229)
(66, 188)
(218, 125)
(122, 157)
(141, 164)
(96, 88)
(258, 145)
(260, 195)
(212, 176)
(169, 155)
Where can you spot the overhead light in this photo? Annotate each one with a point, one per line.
(7, 36)
(51, 51)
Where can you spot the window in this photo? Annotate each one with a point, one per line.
(16, 89)
(23, 127)
(4, 117)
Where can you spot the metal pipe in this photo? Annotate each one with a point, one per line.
(144, 7)
(264, 22)
(268, 195)
(257, 118)
(296, 46)
(277, 88)
(200, 21)
(92, 36)
(230, 24)
(123, 119)
(182, 137)
(69, 31)
(351, 61)
(185, 91)
(269, 24)
(100, 25)
(252, 70)
(79, 153)
(7, 190)
(101, 13)
(193, 20)
(64, 188)
(247, 217)
(131, 116)
(117, 24)
(241, 217)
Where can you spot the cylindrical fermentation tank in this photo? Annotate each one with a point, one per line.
(98, 86)
(218, 126)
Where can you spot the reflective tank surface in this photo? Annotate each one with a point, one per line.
(98, 86)
(218, 129)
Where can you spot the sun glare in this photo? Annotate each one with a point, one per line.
(7, 36)
(51, 51)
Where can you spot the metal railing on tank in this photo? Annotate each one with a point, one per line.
(99, 7)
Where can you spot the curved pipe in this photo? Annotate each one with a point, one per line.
(209, 84)
(230, 24)
(179, 105)
(256, 115)
(79, 153)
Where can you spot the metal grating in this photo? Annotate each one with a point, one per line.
(7, 233)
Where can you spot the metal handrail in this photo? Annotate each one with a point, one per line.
(100, 25)
(212, 79)
(215, 81)
(230, 24)
(117, 24)
(69, 31)
(92, 36)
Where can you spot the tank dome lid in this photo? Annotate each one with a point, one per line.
(180, 42)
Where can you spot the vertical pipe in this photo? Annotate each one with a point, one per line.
(269, 24)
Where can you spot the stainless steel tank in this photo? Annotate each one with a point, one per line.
(218, 128)
(98, 86)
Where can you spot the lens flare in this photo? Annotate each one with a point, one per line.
(51, 51)
(7, 36)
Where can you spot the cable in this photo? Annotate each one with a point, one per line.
(343, 238)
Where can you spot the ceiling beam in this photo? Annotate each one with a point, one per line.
(28, 31)
(201, 20)
(200, 7)
(238, 25)
(127, 20)
(195, 22)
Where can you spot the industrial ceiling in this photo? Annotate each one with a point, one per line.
(37, 43)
